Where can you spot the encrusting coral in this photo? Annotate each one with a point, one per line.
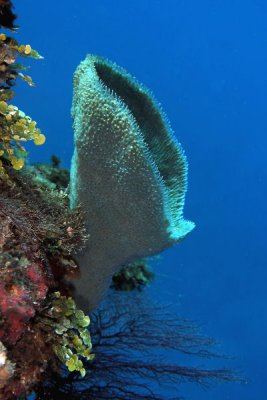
(128, 173)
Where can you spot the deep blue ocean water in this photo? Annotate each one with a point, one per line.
(206, 63)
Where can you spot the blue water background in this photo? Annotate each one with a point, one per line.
(206, 63)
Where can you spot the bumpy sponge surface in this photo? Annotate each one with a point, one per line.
(128, 173)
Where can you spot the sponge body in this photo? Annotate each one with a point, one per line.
(128, 173)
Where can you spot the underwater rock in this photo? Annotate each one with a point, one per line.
(128, 173)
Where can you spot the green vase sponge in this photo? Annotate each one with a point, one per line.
(128, 173)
